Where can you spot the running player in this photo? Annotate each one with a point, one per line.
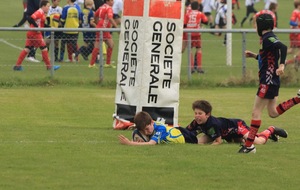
(269, 71)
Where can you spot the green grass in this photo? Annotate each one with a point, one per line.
(62, 138)
(57, 133)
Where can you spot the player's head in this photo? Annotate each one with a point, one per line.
(88, 3)
(44, 3)
(195, 5)
(273, 7)
(109, 2)
(203, 105)
(297, 4)
(202, 111)
(264, 22)
(143, 122)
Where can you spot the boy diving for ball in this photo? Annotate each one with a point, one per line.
(158, 133)
(215, 130)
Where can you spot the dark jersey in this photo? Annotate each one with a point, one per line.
(218, 126)
(98, 3)
(272, 50)
(32, 6)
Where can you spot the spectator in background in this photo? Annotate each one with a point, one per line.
(221, 19)
(70, 18)
(268, 2)
(237, 3)
(295, 37)
(24, 18)
(193, 20)
(208, 7)
(98, 3)
(250, 9)
(87, 21)
(53, 20)
(35, 38)
(117, 10)
(29, 8)
(105, 16)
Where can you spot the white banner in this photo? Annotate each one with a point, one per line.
(149, 59)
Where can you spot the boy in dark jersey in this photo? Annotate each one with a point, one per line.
(217, 129)
(271, 52)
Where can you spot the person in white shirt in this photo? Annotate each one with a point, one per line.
(208, 7)
(117, 10)
(268, 2)
(250, 9)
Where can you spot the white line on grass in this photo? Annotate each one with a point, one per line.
(13, 46)
(55, 142)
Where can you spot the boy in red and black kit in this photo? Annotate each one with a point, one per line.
(35, 38)
(104, 17)
(192, 20)
(271, 52)
(217, 129)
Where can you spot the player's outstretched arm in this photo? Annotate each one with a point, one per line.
(250, 54)
(126, 141)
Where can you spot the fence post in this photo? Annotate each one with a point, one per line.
(243, 53)
(189, 50)
(100, 56)
(52, 56)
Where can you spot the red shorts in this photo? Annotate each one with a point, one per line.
(267, 91)
(35, 39)
(106, 36)
(295, 40)
(196, 40)
(242, 128)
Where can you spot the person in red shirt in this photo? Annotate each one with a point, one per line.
(35, 38)
(104, 16)
(295, 37)
(192, 20)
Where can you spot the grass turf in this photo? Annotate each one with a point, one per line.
(57, 134)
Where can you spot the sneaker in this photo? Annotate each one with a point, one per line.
(200, 71)
(68, 61)
(74, 57)
(245, 149)
(92, 66)
(298, 94)
(32, 59)
(18, 68)
(109, 66)
(55, 67)
(278, 132)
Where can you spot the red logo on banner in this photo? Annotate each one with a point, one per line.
(133, 8)
(165, 8)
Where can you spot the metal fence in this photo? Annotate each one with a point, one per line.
(243, 33)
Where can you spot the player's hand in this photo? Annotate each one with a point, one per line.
(124, 140)
(250, 54)
(280, 70)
